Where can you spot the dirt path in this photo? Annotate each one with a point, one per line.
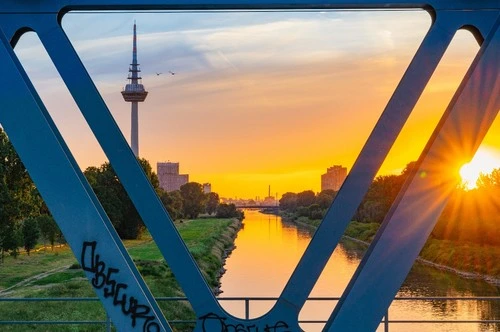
(33, 278)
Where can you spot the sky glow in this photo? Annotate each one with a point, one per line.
(258, 99)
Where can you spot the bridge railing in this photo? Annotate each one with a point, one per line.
(247, 301)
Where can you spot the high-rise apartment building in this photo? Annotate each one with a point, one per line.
(333, 178)
(169, 177)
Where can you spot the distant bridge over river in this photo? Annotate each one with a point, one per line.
(267, 207)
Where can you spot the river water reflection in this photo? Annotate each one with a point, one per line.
(267, 251)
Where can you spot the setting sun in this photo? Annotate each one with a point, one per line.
(484, 161)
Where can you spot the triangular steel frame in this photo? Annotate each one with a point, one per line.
(408, 224)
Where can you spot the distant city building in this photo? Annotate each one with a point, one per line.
(333, 178)
(169, 177)
(207, 188)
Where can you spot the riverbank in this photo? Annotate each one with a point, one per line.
(464, 259)
(209, 241)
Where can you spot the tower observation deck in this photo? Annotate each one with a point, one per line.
(134, 93)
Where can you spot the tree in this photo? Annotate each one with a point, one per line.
(192, 199)
(288, 201)
(48, 228)
(325, 198)
(212, 202)
(12, 239)
(306, 198)
(31, 233)
(229, 211)
(379, 198)
(150, 174)
(172, 201)
(19, 198)
(489, 181)
(114, 199)
(315, 212)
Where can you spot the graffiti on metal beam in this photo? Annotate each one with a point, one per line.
(104, 278)
(212, 322)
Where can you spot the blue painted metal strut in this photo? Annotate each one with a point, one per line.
(374, 153)
(124, 162)
(413, 215)
(67, 193)
(366, 166)
(46, 157)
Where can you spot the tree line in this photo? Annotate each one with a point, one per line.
(188, 202)
(24, 217)
(25, 220)
(469, 216)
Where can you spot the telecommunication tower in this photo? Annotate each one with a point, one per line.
(134, 93)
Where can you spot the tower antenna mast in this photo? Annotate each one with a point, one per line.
(134, 93)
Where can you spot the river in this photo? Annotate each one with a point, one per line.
(268, 249)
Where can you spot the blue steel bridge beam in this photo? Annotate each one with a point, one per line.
(67, 194)
(97, 205)
(423, 197)
(42, 17)
(367, 164)
(374, 152)
(124, 163)
(61, 6)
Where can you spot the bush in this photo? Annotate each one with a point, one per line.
(302, 211)
(229, 211)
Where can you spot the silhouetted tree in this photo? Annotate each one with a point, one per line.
(489, 181)
(315, 212)
(12, 240)
(229, 211)
(115, 200)
(212, 202)
(31, 233)
(325, 198)
(380, 196)
(306, 198)
(173, 203)
(288, 201)
(472, 215)
(19, 198)
(193, 199)
(48, 228)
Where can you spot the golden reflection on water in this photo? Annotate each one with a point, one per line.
(267, 251)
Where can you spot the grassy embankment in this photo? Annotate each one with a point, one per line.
(207, 240)
(467, 259)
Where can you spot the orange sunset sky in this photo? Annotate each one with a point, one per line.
(258, 99)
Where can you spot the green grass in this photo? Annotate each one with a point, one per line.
(14, 270)
(362, 231)
(59, 277)
(468, 257)
(205, 238)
